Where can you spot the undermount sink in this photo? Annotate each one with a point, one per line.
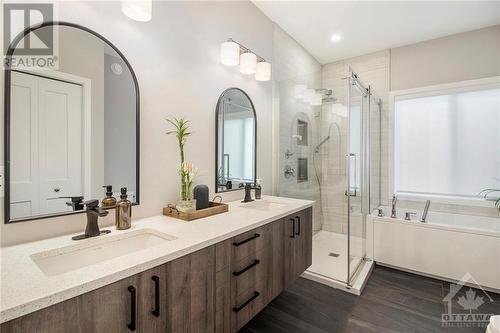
(96, 250)
(264, 205)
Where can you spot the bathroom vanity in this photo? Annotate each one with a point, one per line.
(209, 275)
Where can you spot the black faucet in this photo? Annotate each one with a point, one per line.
(93, 213)
(248, 192)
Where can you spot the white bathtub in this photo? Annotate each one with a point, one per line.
(448, 246)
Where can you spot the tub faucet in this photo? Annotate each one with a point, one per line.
(93, 213)
(393, 211)
(426, 210)
(408, 215)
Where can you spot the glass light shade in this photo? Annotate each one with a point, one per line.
(248, 63)
(316, 99)
(263, 72)
(230, 53)
(299, 91)
(308, 94)
(139, 10)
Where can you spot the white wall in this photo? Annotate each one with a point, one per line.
(465, 56)
(176, 59)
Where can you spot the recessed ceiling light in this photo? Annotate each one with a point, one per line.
(336, 38)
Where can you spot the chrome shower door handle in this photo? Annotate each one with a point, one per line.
(349, 186)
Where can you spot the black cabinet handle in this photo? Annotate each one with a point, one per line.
(156, 311)
(293, 228)
(254, 263)
(239, 308)
(133, 308)
(298, 225)
(246, 240)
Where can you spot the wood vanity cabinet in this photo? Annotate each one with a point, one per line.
(298, 244)
(216, 289)
(123, 306)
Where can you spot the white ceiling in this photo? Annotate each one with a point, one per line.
(375, 25)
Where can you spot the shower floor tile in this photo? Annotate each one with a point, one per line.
(329, 254)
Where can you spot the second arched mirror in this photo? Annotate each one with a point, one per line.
(236, 141)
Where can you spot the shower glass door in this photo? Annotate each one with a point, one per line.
(357, 176)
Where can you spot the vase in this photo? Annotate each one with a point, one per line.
(186, 206)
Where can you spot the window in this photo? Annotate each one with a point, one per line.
(447, 143)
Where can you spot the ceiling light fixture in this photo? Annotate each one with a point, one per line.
(139, 10)
(335, 38)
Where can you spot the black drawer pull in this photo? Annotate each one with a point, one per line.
(239, 308)
(246, 240)
(298, 225)
(293, 228)
(156, 311)
(133, 311)
(255, 262)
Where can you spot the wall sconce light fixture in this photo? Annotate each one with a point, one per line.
(233, 53)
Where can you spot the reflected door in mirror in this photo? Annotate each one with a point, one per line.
(46, 146)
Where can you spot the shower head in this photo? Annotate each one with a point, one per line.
(329, 100)
(327, 138)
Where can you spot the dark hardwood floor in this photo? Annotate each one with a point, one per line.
(392, 301)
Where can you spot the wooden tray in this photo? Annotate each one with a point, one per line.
(213, 209)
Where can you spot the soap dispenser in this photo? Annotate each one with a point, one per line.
(258, 189)
(123, 211)
(109, 200)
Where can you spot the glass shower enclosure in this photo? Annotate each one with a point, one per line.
(343, 148)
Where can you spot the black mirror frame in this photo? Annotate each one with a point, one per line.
(217, 139)
(7, 82)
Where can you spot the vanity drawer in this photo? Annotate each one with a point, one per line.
(246, 305)
(249, 243)
(250, 271)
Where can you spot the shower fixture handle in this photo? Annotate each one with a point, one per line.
(289, 172)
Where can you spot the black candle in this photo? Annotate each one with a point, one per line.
(200, 194)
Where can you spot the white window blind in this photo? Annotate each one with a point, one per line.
(447, 144)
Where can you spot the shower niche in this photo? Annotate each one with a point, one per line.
(302, 131)
(302, 174)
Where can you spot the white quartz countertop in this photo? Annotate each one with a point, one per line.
(25, 288)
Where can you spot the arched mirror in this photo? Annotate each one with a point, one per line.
(236, 141)
(71, 127)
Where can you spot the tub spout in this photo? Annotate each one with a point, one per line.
(426, 210)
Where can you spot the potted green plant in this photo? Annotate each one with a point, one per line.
(187, 171)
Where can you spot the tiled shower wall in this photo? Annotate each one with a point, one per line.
(294, 65)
